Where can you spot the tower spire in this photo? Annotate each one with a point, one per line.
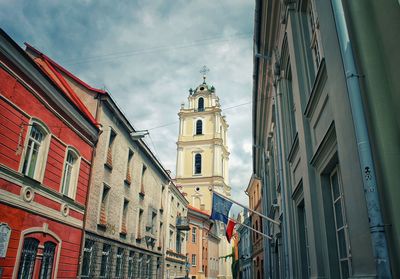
(204, 70)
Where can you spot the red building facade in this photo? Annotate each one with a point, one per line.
(47, 141)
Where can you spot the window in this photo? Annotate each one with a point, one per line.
(131, 264)
(197, 164)
(148, 267)
(87, 258)
(178, 242)
(111, 140)
(104, 205)
(194, 262)
(303, 241)
(199, 127)
(200, 104)
(120, 260)
(194, 234)
(70, 176)
(139, 227)
(144, 168)
(340, 223)
(28, 257)
(153, 222)
(47, 260)
(124, 216)
(128, 178)
(105, 261)
(313, 26)
(171, 239)
(36, 151)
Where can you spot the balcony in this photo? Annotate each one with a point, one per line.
(176, 257)
(182, 223)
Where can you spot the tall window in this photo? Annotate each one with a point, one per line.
(303, 241)
(124, 216)
(34, 161)
(197, 164)
(171, 239)
(104, 205)
(139, 227)
(340, 223)
(105, 260)
(144, 168)
(47, 260)
(194, 234)
(199, 127)
(200, 104)
(194, 260)
(313, 25)
(148, 267)
(87, 258)
(28, 258)
(111, 140)
(70, 176)
(131, 264)
(120, 259)
(128, 178)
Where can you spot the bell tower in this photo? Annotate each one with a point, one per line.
(202, 151)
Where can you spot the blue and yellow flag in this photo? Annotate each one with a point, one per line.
(220, 208)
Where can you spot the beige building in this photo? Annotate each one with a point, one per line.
(125, 216)
(202, 162)
(175, 233)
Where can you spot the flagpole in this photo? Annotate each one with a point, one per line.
(255, 212)
(263, 234)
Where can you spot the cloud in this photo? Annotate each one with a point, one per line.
(148, 54)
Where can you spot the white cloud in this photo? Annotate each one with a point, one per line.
(148, 54)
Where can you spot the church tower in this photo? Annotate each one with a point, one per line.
(202, 151)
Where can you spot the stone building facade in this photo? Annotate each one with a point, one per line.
(256, 222)
(175, 233)
(305, 148)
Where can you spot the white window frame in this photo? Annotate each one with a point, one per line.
(73, 181)
(41, 161)
(194, 233)
(203, 122)
(194, 259)
(194, 162)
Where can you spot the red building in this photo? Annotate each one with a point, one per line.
(47, 138)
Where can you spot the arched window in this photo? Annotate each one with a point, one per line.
(70, 175)
(197, 164)
(47, 260)
(200, 104)
(28, 257)
(199, 127)
(35, 152)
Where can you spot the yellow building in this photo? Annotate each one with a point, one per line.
(202, 155)
(202, 164)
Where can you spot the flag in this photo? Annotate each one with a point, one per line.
(220, 208)
(229, 229)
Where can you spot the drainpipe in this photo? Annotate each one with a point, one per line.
(377, 229)
(280, 174)
(267, 250)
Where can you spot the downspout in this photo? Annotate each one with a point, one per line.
(377, 229)
(267, 249)
(80, 266)
(280, 175)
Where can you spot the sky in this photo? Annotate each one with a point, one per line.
(147, 55)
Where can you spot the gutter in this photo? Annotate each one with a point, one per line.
(367, 168)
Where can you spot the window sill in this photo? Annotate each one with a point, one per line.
(101, 226)
(108, 166)
(197, 174)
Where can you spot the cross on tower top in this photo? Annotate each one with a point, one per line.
(204, 70)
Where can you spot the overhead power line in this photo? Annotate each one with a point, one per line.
(123, 54)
